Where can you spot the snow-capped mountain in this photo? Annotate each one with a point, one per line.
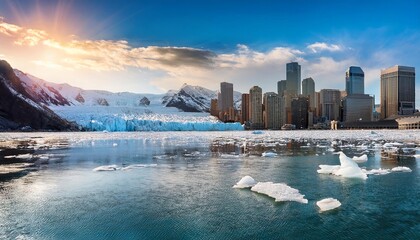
(21, 108)
(195, 99)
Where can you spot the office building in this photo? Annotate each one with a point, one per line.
(300, 110)
(357, 108)
(308, 90)
(272, 110)
(245, 108)
(281, 87)
(397, 91)
(226, 96)
(355, 81)
(255, 108)
(330, 104)
(293, 79)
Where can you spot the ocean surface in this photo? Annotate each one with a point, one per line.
(178, 185)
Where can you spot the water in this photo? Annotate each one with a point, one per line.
(184, 188)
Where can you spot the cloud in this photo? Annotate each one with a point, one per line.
(320, 46)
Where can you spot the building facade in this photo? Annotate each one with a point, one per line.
(330, 104)
(355, 81)
(255, 108)
(226, 96)
(358, 108)
(293, 79)
(281, 87)
(308, 90)
(300, 109)
(397, 91)
(245, 108)
(272, 111)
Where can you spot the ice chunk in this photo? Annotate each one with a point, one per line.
(134, 166)
(360, 159)
(20, 156)
(348, 168)
(115, 144)
(106, 168)
(401, 169)
(245, 182)
(269, 154)
(328, 169)
(279, 191)
(379, 171)
(328, 204)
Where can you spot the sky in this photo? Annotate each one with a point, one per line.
(155, 46)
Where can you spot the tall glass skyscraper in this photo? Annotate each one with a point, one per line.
(355, 81)
(398, 94)
(293, 79)
(308, 90)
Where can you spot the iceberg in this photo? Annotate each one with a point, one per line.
(328, 204)
(106, 168)
(245, 182)
(279, 191)
(360, 159)
(347, 168)
(401, 169)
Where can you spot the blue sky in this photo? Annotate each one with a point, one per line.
(158, 45)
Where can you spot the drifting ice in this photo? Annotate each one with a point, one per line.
(360, 159)
(328, 204)
(269, 154)
(379, 171)
(279, 191)
(347, 169)
(106, 168)
(245, 182)
(401, 169)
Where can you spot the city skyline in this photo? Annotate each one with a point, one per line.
(157, 46)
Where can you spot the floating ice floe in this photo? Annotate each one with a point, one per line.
(269, 154)
(328, 204)
(245, 182)
(401, 169)
(134, 166)
(279, 191)
(115, 144)
(379, 171)
(20, 156)
(360, 159)
(106, 168)
(347, 168)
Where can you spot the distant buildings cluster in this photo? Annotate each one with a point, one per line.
(297, 105)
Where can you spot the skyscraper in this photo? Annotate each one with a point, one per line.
(293, 79)
(330, 104)
(281, 87)
(245, 107)
(355, 81)
(226, 96)
(308, 90)
(272, 110)
(397, 91)
(255, 107)
(300, 112)
(358, 107)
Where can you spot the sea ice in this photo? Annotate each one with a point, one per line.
(20, 156)
(279, 191)
(379, 171)
(134, 166)
(245, 182)
(328, 204)
(401, 169)
(269, 154)
(106, 168)
(360, 159)
(347, 168)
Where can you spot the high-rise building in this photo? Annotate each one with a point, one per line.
(398, 91)
(308, 90)
(357, 108)
(272, 110)
(293, 79)
(245, 107)
(255, 108)
(300, 109)
(355, 81)
(214, 110)
(281, 87)
(330, 104)
(226, 96)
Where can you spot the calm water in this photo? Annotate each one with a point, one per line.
(184, 190)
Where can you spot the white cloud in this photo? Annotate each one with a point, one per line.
(321, 46)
